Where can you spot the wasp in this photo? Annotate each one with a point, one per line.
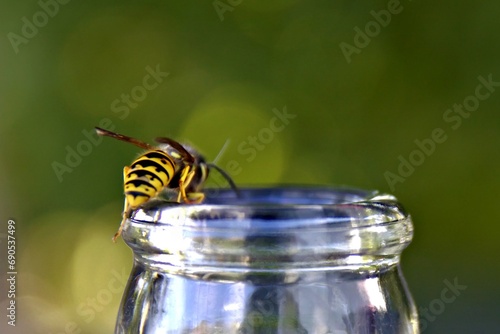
(169, 166)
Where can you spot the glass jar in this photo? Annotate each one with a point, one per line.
(274, 260)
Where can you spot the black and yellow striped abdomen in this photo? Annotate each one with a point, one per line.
(147, 176)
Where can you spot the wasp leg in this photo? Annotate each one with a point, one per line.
(183, 184)
(169, 195)
(196, 197)
(184, 181)
(126, 214)
(126, 208)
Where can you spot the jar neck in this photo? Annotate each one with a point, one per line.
(272, 229)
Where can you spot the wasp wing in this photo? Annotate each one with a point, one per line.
(136, 142)
(186, 156)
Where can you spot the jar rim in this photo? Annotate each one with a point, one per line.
(285, 206)
(265, 227)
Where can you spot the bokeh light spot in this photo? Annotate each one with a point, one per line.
(229, 114)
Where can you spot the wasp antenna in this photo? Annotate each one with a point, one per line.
(227, 177)
(136, 142)
(100, 132)
(222, 150)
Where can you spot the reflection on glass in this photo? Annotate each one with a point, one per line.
(278, 260)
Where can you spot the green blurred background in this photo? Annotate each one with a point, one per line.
(229, 65)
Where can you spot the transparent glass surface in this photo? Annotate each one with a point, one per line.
(276, 260)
